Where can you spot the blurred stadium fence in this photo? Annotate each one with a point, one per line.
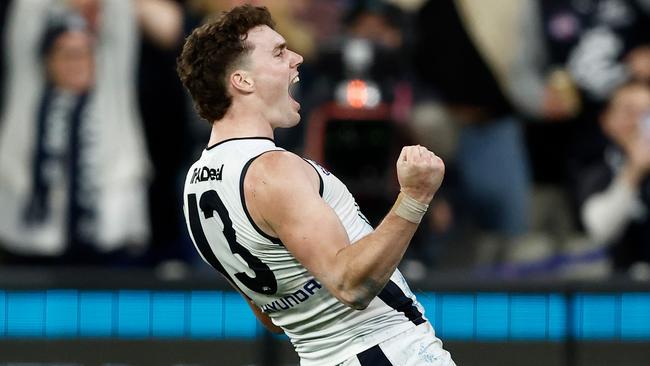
(128, 317)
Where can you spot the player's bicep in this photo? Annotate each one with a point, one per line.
(293, 209)
(313, 233)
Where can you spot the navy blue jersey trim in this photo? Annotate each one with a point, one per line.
(240, 138)
(394, 297)
(243, 200)
(321, 186)
(373, 356)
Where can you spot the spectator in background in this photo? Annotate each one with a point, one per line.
(600, 44)
(540, 88)
(167, 120)
(613, 43)
(572, 54)
(73, 165)
(544, 94)
(615, 191)
(464, 53)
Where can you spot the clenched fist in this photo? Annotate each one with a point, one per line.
(419, 172)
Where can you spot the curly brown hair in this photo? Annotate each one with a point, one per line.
(211, 51)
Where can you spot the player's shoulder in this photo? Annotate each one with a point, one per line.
(279, 161)
(279, 169)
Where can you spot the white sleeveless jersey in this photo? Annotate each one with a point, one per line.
(323, 330)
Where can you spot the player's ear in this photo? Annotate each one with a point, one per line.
(242, 80)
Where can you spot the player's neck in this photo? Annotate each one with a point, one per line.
(237, 125)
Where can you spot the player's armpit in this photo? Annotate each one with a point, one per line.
(263, 318)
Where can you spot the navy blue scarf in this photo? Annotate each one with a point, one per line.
(37, 209)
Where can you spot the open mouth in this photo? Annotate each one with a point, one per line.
(293, 86)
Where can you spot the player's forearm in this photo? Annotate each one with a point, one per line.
(366, 266)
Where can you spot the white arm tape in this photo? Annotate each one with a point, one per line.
(410, 209)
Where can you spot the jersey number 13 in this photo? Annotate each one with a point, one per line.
(264, 281)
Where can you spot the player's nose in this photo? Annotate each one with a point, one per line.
(296, 59)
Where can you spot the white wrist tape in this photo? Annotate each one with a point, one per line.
(410, 209)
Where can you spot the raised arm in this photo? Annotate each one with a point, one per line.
(161, 21)
(282, 194)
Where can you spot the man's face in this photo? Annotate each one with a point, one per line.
(622, 120)
(70, 63)
(274, 70)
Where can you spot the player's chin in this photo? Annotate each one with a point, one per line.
(290, 120)
(294, 119)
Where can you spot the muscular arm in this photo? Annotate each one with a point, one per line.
(282, 193)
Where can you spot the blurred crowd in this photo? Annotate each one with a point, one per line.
(540, 109)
